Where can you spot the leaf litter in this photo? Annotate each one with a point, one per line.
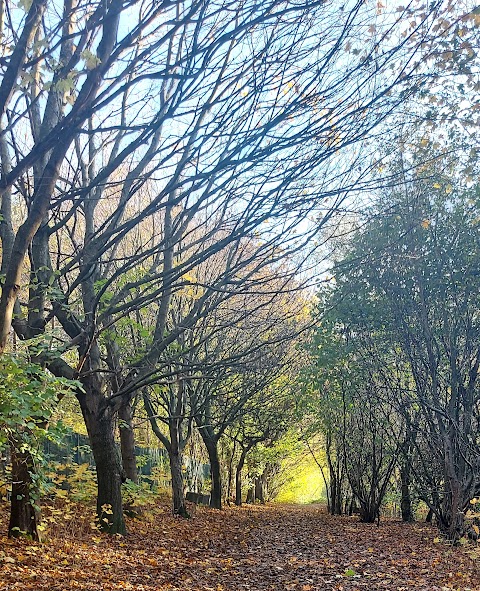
(253, 548)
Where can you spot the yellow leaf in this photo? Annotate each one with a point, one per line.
(448, 189)
(426, 224)
(90, 59)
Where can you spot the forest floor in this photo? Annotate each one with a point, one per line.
(272, 548)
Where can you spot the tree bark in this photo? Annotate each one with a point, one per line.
(238, 478)
(127, 442)
(174, 446)
(178, 497)
(260, 489)
(406, 501)
(335, 495)
(215, 474)
(230, 473)
(23, 515)
(175, 451)
(452, 517)
(369, 510)
(19, 54)
(100, 428)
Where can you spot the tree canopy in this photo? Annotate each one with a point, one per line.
(176, 177)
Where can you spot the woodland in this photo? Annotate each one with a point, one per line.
(239, 275)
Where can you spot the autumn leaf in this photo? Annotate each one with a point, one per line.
(286, 547)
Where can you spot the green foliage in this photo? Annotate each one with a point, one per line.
(304, 483)
(395, 354)
(25, 4)
(76, 482)
(160, 476)
(262, 454)
(69, 414)
(137, 497)
(28, 396)
(350, 572)
(90, 59)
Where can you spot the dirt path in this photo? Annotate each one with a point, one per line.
(263, 548)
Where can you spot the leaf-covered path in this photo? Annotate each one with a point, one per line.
(272, 548)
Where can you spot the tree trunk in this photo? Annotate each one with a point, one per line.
(335, 497)
(455, 528)
(250, 496)
(368, 513)
(127, 442)
(100, 427)
(406, 501)
(230, 473)
(238, 478)
(23, 516)
(260, 489)
(215, 474)
(330, 487)
(179, 505)
(174, 446)
(338, 504)
(452, 518)
(351, 506)
(238, 487)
